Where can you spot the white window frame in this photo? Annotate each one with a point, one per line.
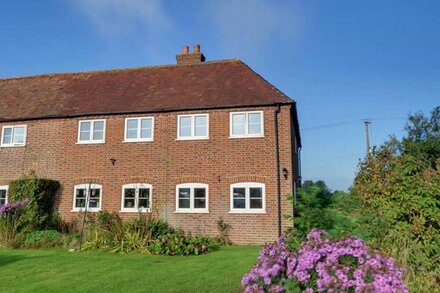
(191, 209)
(92, 128)
(136, 186)
(5, 187)
(138, 138)
(12, 144)
(246, 125)
(193, 127)
(247, 209)
(87, 187)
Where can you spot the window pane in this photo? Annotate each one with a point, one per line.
(7, 135)
(254, 123)
(129, 198)
(185, 126)
(201, 125)
(184, 198)
(199, 198)
(2, 197)
(144, 197)
(98, 130)
(18, 135)
(238, 124)
(132, 128)
(146, 125)
(256, 198)
(94, 197)
(144, 203)
(239, 198)
(84, 131)
(80, 201)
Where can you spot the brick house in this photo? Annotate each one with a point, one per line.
(190, 142)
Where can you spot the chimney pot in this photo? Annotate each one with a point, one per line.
(185, 49)
(190, 58)
(196, 48)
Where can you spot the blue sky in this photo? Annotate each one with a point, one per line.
(342, 61)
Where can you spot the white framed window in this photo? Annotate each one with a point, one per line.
(14, 136)
(3, 194)
(194, 126)
(139, 129)
(136, 197)
(192, 198)
(89, 195)
(91, 131)
(246, 124)
(248, 197)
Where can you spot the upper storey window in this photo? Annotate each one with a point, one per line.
(13, 136)
(246, 124)
(91, 131)
(139, 129)
(193, 126)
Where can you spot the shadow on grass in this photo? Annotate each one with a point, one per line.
(6, 260)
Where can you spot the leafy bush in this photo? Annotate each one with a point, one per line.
(45, 238)
(323, 265)
(179, 244)
(142, 234)
(224, 229)
(41, 194)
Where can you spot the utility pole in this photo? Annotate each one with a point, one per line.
(367, 122)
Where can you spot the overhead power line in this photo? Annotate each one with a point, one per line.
(350, 122)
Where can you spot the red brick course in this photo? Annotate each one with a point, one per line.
(51, 151)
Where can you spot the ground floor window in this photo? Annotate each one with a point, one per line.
(136, 197)
(192, 198)
(87, 195)
(248, 197)
(3, 194)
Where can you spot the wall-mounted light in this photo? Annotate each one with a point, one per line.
(113, 161)
(285, 173)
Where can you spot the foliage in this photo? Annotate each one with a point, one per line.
(179, 244)
(399, 186)
(41, 194)
(323, 265)
(224, 230)
(10, 219)
(141, 234)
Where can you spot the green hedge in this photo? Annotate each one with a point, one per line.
(41, 193)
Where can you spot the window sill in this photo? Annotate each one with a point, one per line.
(89, 210)
(192, 212)
(247, 136)
(247, 212)
(90, 142)
(144, 211)
(137, 140)
(192, 138)
(12, 146)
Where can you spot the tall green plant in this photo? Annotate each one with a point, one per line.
(41, 194)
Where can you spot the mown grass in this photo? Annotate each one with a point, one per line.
(56, 270)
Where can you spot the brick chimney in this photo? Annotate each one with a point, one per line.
(190, 58)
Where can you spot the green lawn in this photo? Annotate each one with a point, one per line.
(56, 270)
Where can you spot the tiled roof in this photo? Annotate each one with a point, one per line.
(218, 84)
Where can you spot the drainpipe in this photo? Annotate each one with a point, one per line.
(277, 146)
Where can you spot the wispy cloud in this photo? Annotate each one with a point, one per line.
(248, 26)
(116, 17)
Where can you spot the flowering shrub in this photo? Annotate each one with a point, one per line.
(11, 208)
(10, 220)
(324, 265)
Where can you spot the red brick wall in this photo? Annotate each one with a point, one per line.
(52, 152)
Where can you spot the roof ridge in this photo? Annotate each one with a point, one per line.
(117, 70)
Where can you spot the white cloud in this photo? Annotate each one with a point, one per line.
(116, 17)
(248, 26)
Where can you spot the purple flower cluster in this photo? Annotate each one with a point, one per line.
(324, 265)
(10, 208)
